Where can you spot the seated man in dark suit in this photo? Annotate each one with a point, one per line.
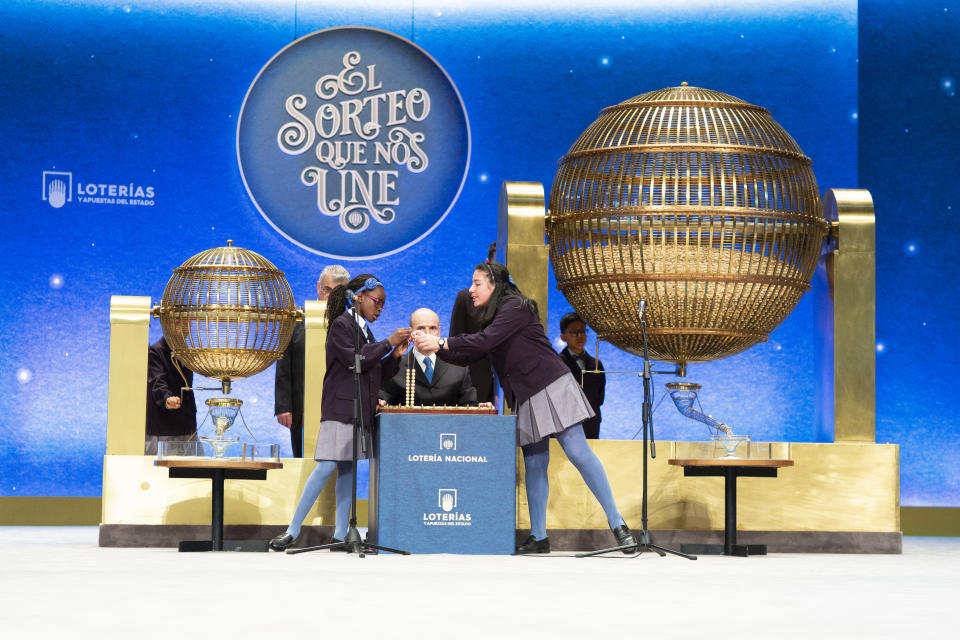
(573, 331)
(438, 383)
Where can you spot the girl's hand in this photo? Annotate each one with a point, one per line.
(400, 336)
(400, 349)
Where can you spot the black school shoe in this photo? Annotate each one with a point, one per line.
(532, 545)
(281, 542)
(625, 538)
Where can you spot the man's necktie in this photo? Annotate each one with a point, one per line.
(428, 369)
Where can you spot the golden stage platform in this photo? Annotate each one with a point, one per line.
(837, 498)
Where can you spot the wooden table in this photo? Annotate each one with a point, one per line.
(218, 471)
(730, 469)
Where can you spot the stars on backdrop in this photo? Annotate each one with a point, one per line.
(948, 85)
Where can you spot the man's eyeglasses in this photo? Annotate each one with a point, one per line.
(379, 302)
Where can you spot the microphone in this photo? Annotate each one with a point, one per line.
(351, 295)
(642, 307)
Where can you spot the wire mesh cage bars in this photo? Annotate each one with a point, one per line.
(227, 313)
(698, 202)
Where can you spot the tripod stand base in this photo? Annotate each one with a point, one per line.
(740, 550)
(362, 549)
(352, 543)
(644, 544)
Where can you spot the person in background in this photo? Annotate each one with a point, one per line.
(573, 331)
(289, 373)
(549, 402)
(170, 416)
(366, 298)
(438, 383)
(465, 319)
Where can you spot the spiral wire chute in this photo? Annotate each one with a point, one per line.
(684, 394)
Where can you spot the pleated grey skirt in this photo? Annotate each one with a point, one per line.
(558, 407)
(335, 442)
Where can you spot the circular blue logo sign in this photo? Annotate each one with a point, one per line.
(353, 143)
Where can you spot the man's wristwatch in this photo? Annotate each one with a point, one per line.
(441, 342)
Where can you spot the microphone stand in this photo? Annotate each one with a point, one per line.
(643, 537)
(352, 543)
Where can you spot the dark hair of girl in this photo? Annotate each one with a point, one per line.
(503, 287)
(337, 300)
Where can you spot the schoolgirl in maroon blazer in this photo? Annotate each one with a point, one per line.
(356, 305)
(544, 394)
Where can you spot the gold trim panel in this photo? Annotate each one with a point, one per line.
(315, 366)
(851, 268)
(521, 228)
(127, 383)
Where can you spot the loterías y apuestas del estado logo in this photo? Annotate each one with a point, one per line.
(61, 187)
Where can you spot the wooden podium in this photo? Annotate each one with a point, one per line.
(443, 481)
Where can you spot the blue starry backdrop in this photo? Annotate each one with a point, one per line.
(146, 95)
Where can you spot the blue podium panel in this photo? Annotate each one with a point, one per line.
(444, 483)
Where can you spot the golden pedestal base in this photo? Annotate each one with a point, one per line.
(851, 487)
(845, 488)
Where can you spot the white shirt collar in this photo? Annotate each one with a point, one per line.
(420, 358)
(360, 320)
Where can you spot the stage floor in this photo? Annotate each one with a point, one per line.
(56, 581)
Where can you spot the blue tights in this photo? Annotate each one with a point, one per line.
(536, 458)
(312, 489)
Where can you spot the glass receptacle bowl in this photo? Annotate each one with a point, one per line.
(218, 446)
(726, 445)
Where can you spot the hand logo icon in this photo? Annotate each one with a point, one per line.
(448, 499)
(447, 502)
(56, 193)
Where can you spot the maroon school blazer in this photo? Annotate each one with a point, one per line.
(519, 351)
(337, 401)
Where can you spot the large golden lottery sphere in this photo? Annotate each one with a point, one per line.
(699, 203)
(227, 313)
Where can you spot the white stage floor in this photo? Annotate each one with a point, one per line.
(56, 582)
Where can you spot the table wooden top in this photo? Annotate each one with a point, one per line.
(204, 463)
(439, 410)
(729, 462)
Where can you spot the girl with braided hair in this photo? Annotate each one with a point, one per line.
(357, 304)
